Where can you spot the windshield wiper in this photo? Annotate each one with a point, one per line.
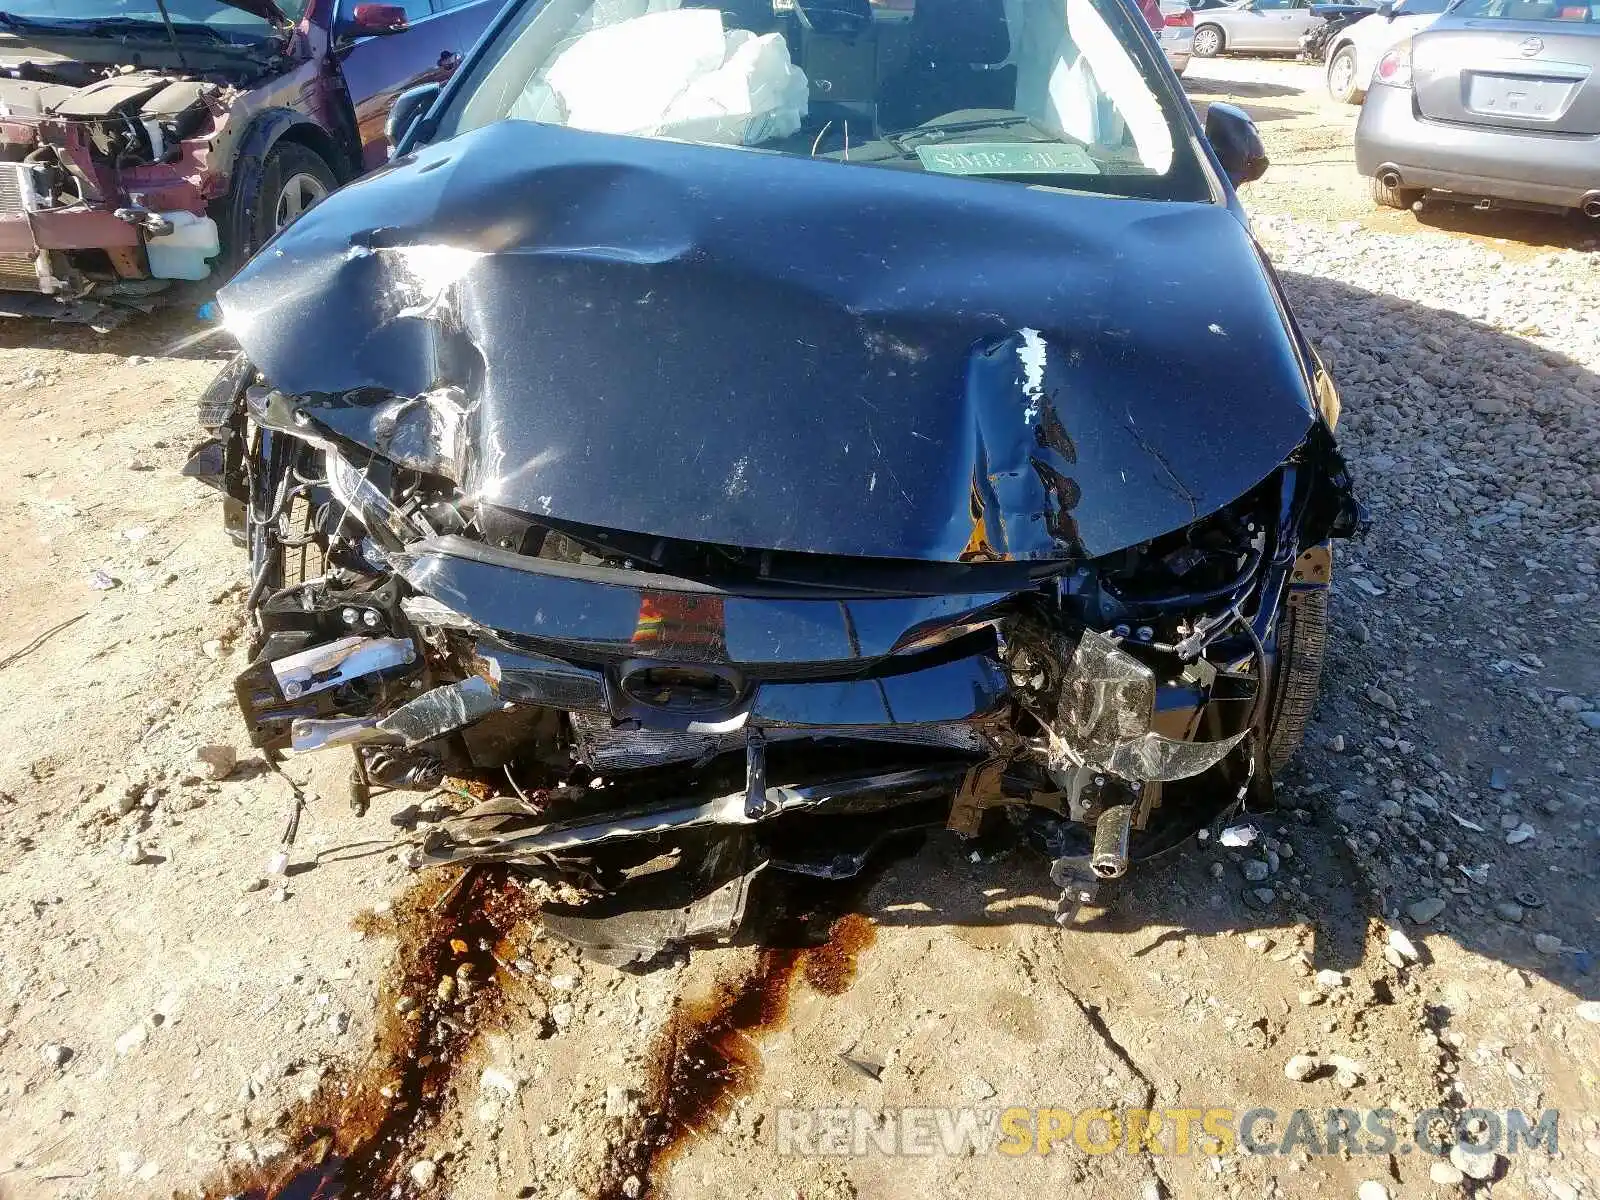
(898, 140)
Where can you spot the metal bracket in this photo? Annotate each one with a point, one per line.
(1079, 886)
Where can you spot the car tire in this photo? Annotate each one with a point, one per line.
(1302, 642)
(1394, 197)
(248, 221)
(1342, 83)
(1208, 41)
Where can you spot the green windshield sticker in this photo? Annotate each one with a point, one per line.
(1006, 158)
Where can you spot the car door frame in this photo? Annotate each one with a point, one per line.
(373, 146)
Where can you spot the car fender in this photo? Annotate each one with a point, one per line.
(266, 129)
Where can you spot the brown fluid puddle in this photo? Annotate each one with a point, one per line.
(351, 1138)
(709, 1054)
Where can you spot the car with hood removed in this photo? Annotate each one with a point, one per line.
(722, 440)
(148, 141)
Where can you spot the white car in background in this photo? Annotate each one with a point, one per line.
(1354, 52)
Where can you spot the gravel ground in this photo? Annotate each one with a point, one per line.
(163, 1020)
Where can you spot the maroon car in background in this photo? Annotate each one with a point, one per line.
(148, 141)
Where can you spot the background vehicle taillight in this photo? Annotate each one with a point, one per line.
(1181, 20)
(1394, 68)
(1152, 14)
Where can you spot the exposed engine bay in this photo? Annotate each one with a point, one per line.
(112, 151)
(1093, 624)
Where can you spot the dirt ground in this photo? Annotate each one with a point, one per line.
(172, 1023)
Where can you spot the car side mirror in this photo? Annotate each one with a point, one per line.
(410, 106)
(375, 20)
(1237, 142)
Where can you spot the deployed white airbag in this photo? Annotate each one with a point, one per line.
(673, 74)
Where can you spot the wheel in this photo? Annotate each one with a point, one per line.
(1208, 41)
(1302, 639)
(293, 179)
(1394, 197)
(1342, 83)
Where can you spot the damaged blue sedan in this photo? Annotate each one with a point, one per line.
(722, 439)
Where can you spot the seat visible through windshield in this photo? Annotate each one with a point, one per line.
(1033, 90)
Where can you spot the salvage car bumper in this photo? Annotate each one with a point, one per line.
(1177, 43)
(1529, 167)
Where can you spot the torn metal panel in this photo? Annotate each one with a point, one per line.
(498, 833)
(442, 710)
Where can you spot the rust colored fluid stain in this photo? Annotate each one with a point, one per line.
(711, 1055)
(350, 1139)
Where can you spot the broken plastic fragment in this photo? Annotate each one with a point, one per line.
(1239, 835)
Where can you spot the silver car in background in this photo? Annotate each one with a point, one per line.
(1253, 25)
(1497, 101)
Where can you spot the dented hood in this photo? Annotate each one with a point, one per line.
(764, 351)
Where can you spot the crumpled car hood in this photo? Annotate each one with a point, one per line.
(758, 350)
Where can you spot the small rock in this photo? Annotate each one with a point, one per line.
(258, 884)
(1372, 1190)
(495, 1080)
(55, 1054)
(212, 648)
(423, 1172)
(562, 1015)
(217, 760)
(1424, 910)
(1258, 942)
(1309, 997)
(563, 983)
(1474, 1164)
(1264, 895)
(1560, 1189)
(618, 1102)
(632, 1187)
(1589, 1010)
(1328, 979)
(1382, 699)
(1547, 943)
(1402, 946)
(132, 1039)
(1347, 1072)
(132, 852)
(123, 797)
(1336, 743)
(446, 991)
(978, 1088)
(129, 1161)
(1302, 1067)
(1590, 719)
(1254, 870)
(1508, 910)
(1444, 1174)
(338, 1023)
(405, 1004)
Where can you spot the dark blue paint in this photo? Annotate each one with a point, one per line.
(789, 354)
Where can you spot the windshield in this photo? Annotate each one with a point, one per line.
(191, 16)
(1032, 91)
